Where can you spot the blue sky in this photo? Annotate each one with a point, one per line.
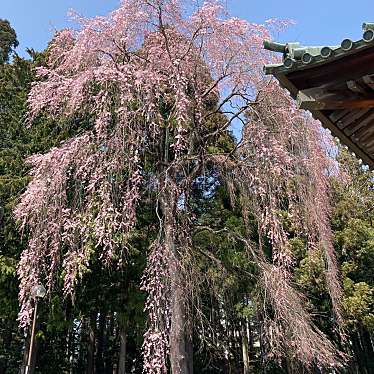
(319, 22)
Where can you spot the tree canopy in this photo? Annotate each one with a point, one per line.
(8, 40)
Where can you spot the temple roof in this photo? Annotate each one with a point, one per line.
(336, 84)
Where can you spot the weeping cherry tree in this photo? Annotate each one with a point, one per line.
(156, 85)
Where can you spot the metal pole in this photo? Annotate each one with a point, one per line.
(28, 366)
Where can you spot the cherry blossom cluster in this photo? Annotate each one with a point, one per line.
(155, 283)
(284, 168)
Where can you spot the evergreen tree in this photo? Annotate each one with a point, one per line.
(8, 40)
(352, 221)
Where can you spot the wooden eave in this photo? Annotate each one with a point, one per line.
(339, 92)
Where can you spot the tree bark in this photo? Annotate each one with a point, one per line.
(365, 351)
(100, 343)
(178, 352)
(178, 337)
(82, 345)
(245, 349)
(356, 346)
(368, 348)
(6, 343)
(70, 346)
(33, 358)
(189, 353)
(109, 333)
(91, 344)
(25, 353)
(122, 351)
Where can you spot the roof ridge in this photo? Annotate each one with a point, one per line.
(296, 55)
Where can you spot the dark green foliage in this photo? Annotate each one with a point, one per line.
(352, 221)
(8, 40)
(17, 142)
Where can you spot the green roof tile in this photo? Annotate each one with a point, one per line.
(298, 57)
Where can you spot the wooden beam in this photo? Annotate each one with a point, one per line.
(310, 103)
(326, 122)
(366, 138)
(350, 118)
(370, 143)
(369, 118)
(353, 146)
(362, 135)
(338, 114)
(320, 98)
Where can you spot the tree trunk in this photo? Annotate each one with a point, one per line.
(109, 334)
(27, 351)
(178, 352)
(34, 355)
(25, 354)
(82, 346)
(100, 343)
(189, 352)
(245, 349)
(357, 351)
(367, 346)
(71, 346)
(122, 351)
(6, 344)
(91, 344)
(178, 338)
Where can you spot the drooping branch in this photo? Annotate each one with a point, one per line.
(282, 166)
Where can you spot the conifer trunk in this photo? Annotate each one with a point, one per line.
(33, 358)
(91, 344)
(189, 351)
(109, 334)
(365, 350)
(25, 353)
(245, 349)
(100, 343)
(82, 344)
(122, 352)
